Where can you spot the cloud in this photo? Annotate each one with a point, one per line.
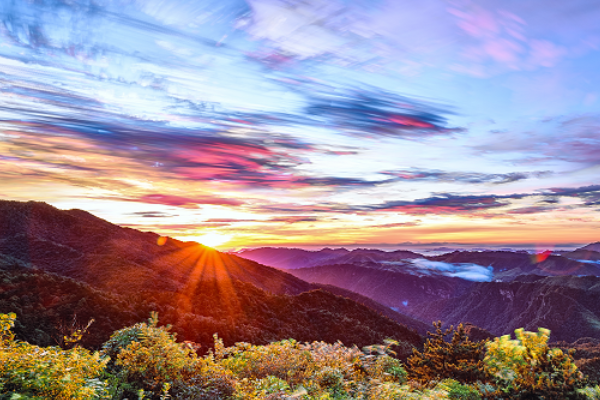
(481, 206)
(471, 272)
(416, 174)
(446, 204)
(152, 214)
(371, 111)
(258, 157)
(574, 192)
(288, 219)
(186, 202)
(397, 225)
(572, 139)
(192, 228)
(311, 28)
(178, 201)
(590, 194)
(178, 153)
(508, 38)
(292, 219)
(163, 150)
(228, 220)
(531, 210)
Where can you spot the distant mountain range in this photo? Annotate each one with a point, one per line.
(509, 265)
(290, 258)
(567, 305)
(505, 265)
(495, 290)
(61, 265)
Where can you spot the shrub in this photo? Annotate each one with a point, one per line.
(459, 359)
(527, 368)
(147, 359)
(28, 371)
(458, 391)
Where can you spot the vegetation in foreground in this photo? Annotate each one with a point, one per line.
(144, 361)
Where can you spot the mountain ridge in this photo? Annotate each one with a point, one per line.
(188, 283)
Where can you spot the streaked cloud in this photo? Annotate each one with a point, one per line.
(415, 174)
(314, 121)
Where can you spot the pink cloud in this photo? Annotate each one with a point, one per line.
(503, 50)
(545, 53)
(178, 201)
(479, 23)
(187, 202)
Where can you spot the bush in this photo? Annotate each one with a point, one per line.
(147, 359)
(459, 359)
(527, 368)
(148, 363)
(28, 371)
(458, 391)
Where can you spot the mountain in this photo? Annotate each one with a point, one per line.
(58, 265)
(505, 265)
(431, 288)
(591, 247)
(48, 305)
(508, 265)
(391, 287)
(79, 245)
(567, 305)
(290, 258)
(583, 255)
(419, 326)
(373, 256)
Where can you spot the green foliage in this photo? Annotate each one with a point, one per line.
(7, 321)
(28, 371)
(147, 359)
(459, 359)
(147, 363)
(458, 391)
(526, 367)
(590, 392)
(319, 370)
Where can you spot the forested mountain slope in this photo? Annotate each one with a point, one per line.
(58, 265)
(566, 305)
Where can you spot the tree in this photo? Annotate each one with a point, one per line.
(526, 368)
(146, 358)
(459, 359)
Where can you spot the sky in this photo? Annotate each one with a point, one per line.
(381, 123)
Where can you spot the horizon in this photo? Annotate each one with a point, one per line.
(311, 124)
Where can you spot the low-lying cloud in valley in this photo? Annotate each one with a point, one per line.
(468, 271)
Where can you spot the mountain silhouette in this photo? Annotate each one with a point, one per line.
(197, 289)
(291, 258)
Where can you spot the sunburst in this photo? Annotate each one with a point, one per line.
(213, 239)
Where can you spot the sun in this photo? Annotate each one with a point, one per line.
(213, 239)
